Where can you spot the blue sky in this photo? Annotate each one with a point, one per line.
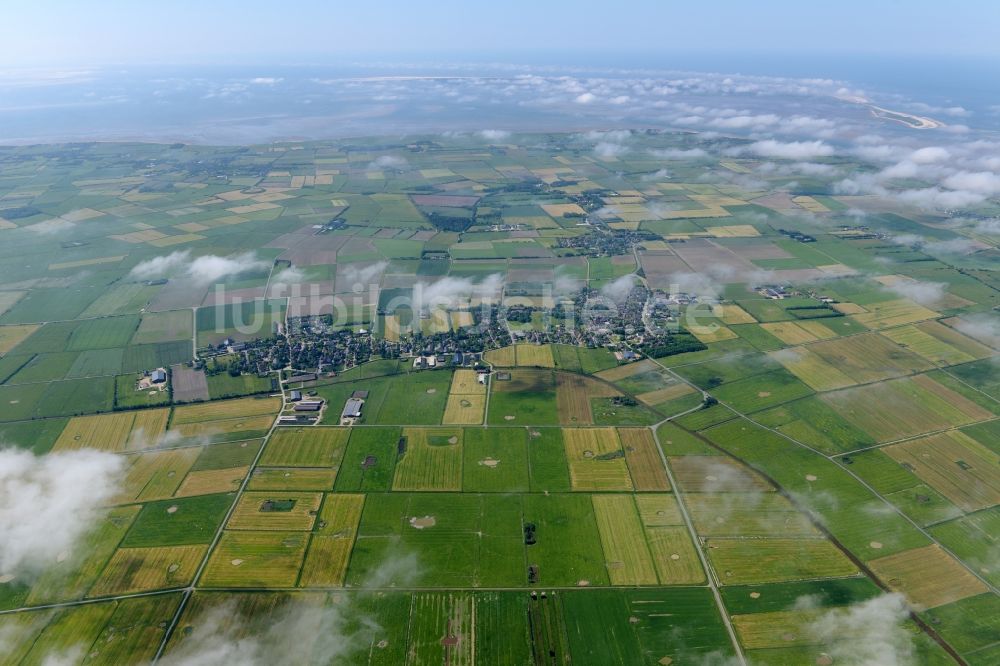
(62, 32)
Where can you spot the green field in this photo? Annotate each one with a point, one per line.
(823, 444)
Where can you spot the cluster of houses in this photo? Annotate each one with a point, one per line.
(422, 361)
(774, 292)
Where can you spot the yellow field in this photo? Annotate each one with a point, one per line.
(955, 339)
(928, 576)
(208, 428)
(776, 629)
(734, 231)
(735, 167)
(848, 308)
(573, 394)
(937, 343)
(106, 432)
(140, 569)
(980, 334)
(205, 482)
(461, 319)
(810, 204)
(659, 510)
(674, 556)
(168, 241)
(12, 336)
(392, 328)
(503, 357)
(893, 313)
(623, 371)
(812, 369)
(225, 409)
(292, 478)
(330, 548)
(747, 561)
(557, 210)
(746, 514)
(155, 475)
(643, 459)
(903, 407)
(710, 196)
(432, 461)
(734, 314)
(585, 448)
(252, 208)
(464, 410)
(249, 513)
(713, 211)
(535, 356)
(625, 551)
(147, 428)
(817, 328)
(796, 333)
(663, 395)
(86, 262)
(846, 361)
(712, 333)
(465, 382)
(256, 559)
(972, 485)
(707, 474)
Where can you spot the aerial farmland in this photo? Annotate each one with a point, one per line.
(457, 400)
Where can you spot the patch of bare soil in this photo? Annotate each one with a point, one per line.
(422, 522)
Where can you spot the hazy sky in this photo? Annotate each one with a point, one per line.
(63, 32)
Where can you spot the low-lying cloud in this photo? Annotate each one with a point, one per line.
(791, 150)
(388, 162)
(49, 503)
(203, 270)
(871, 632)
(452, 291)
(494, 134)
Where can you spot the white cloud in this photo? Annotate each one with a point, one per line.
(925, 293)
(609, 149)
(935, 198)
(678, 153)
(361, 275)
(871, 632)
(757, 122)
(585, 98)
(452, 292)
(211, 268)
(619, 289)
(202, 270)
(985, 183)
(160, 266)
(930, 155)
(49, 503)
(494, 134)
(792, 150)
(983, 327)
(388, 162)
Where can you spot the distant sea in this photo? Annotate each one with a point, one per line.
(239, 104)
